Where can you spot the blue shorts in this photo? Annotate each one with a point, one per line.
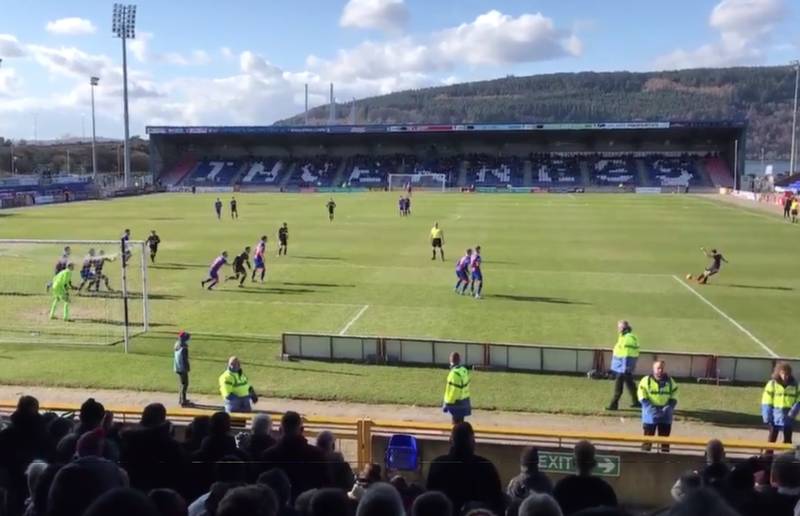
(477, 276)
(87, 275)
(462, 275)
(258, 263)
(213, 274)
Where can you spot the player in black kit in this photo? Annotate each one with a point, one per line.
(331, 207)
(283, 239)
(234, 209)
(714, 267)
(152, 243)
(239, 263)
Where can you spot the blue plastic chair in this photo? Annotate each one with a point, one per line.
(402, 453)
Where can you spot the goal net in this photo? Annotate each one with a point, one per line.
(428, 181)
(108, 305)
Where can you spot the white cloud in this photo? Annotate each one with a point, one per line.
(142, 52)
(388, 15)
(72, 26)
(10, 46)
(744, 28)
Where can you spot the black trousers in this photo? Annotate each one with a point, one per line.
(623, 379)
(775, 430)
(184, 388)
(663, 430)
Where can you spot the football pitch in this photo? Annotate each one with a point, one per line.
(558, 269)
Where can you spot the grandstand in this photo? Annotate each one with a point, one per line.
(668, 155)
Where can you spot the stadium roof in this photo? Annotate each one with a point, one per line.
(439, 128)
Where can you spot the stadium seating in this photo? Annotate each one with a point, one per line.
(176, 174)
(485, 170)
(672, 171)
(611, 171)
(263, 172)
(554, 170)
(371, 172)
(213, 173)
(318, 171)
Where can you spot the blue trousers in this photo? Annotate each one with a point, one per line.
(237, 404)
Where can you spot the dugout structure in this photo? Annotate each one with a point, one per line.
(284, 151)
(99, 316)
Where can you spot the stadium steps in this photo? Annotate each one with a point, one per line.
(288, 175)
(338, 179)
(586, 177)
(644, 176)
(462, 173)
(527, 173)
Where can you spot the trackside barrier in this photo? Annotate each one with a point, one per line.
(522, 357)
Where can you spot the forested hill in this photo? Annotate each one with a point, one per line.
(761, 95)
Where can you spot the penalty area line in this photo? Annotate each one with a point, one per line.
(353, 320)
(727, 317)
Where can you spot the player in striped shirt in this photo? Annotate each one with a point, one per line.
(258, 259)
(87, 276)
(61, 264)
(213, 271)
(477, 275)
(462, 265)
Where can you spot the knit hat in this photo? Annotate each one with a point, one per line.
(91, 443)
(184, 336)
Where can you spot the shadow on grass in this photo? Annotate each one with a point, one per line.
(24, 294)
(500, 262)
(177, 266)
(331, 258)
(110, 322)
(763, 287)
(724, 418)
(274, 290)
(277, 365)
(215, 336)
(301, 284)
(538, 299)
(131, 295)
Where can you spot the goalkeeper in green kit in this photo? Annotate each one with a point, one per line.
(62, 283)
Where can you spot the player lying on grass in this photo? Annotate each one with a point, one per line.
(100, 261)
(714, 267)
(239, 262)
(62, 284)
(213, 271)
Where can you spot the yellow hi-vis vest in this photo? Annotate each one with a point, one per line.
(234, 383)
(627, 346)
(659, 395)
(779, 396)
(457, 388)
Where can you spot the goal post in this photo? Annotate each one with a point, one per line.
(109, 304)
(428, 181)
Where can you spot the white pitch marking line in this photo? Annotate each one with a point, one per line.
(726, 316)
(354, 319)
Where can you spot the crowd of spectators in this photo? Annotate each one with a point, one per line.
(52, 465)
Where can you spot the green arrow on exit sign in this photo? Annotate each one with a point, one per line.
(557, 462)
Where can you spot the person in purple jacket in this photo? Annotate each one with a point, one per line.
(462, 265)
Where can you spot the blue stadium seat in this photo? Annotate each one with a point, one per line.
(402, 453)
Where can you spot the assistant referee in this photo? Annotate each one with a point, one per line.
(437, 240)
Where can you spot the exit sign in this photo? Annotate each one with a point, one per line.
(557, 462)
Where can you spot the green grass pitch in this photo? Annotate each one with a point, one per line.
(559, 269)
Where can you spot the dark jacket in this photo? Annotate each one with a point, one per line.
(24, 440)
(527, 483)
(305, 465)
(574, 493)
(153, 458)
(465, 477)
(341, 473)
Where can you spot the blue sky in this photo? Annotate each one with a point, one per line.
(245, 62)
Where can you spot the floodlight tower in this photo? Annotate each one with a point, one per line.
(796, 65)
(93, 82)
(123, 25)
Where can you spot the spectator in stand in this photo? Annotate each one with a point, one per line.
(220, 442)
(152, 457)
(539, 504)
(90, 456)
(371, 474)
(530, 480)
(168, 502)
(237, 393)
(277, 480)
(716, 471)
(257, 500)
(381, 500)
(341, 472)
(196, 431)
(623, 363)
(658, 394)
(122, 502)
(432, 503)
(739, 489)
(464, 476)
(330, 502)
(74, 488)
(785, 493)
(260, 437)
(21, 442)
(780, 403)
(686, 483)
(38, 498)
(583, 490)
(229, 473)
(180, 364)
(703, 502)
(304, 464)
(33, 473)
